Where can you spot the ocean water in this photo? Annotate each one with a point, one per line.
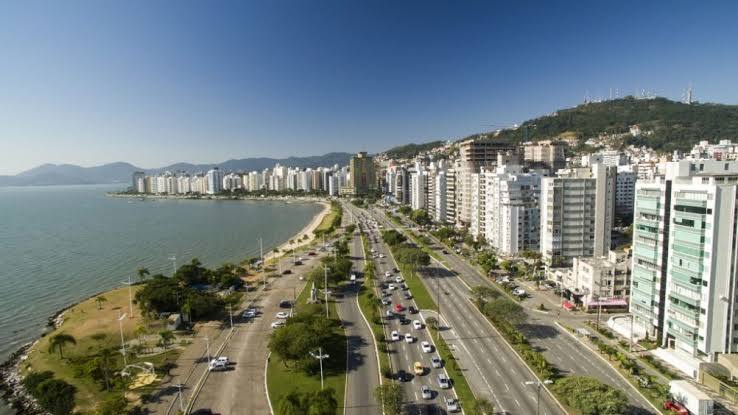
(61, 244)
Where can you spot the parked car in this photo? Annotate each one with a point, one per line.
(386, 301)
(417, 325)
(283, 314)
(249, 313)
(277, 324)
(426, 347)
(425, 392)
(443, 381)
(519, 292)
(436, 362)
(389, 314)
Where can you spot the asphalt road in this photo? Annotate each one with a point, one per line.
(242, 389)
(403, 355)
(559, 348)
(493, 370)
(362, 369)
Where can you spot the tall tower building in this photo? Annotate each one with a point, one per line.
(362, 178)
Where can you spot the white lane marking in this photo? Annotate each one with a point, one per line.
(507, 388)
(518, 402)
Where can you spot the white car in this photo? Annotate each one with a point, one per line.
(250, 313)
(386, 301)
(436, 362)
(387, 274)
(395, 336)
(518, 292)
(398, 279)
(277, 324)
(283, 314)
(217, 364)
(425, 391)
(391, 287)
(417, 325)
(426, 347)
(443, 382)
(381, 255)
(452, 405)
(409, 338)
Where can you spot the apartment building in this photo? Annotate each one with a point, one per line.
(362, 178)
(684, 261)
(600, 281)
(214, 181)
(577, 213)
(548, 153)
(625, 191)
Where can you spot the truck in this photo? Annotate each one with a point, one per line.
(691, 397)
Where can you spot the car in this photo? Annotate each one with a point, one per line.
(403, 286)
(285, 304)
(277, 324)
(386, 301)
(395, 336)
(395, 270)
(426, 347)
(403, 376)
(425, 392)
(409, 338)
(518, 292)
(418, 368)
(445, 251)
(452, 405)
(298, 262)
(387, 274)
(389, 314)
(403, 321)
(398, 279)
(407, 295)
(412, 310)
(399, 307)
(417, 325)
(391, 287)
(283, 314)
(436, 362)
(381, 255)
(443, 381)
(249, 313)
(311, 253)
(217, 364)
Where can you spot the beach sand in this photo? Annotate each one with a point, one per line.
(307, 230)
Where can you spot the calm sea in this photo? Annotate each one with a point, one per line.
(61, 244)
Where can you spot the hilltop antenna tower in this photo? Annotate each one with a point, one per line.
(689, 98)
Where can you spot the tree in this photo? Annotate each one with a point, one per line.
(167, 337)
(432, 323)
(482, 407)
(420, 217)
(504, 309)
(56, 396)
(142, 273)
(99, 300)
(323, 402)
(392, 237)
(113, 406)
(482, 294)
(291, 404)
(58, 341)
(590, 396)
(389, 396)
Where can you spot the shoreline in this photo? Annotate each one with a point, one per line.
(12, 391)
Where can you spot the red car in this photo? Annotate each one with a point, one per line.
(675, 407)
(399, 307)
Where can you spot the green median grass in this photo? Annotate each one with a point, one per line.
(281, 380)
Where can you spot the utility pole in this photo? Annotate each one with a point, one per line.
(122, 340)
(538, 385)
(320, 356)
(181, 403)
(325, 289)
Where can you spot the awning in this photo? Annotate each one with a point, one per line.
(567, 305)
(608, 302)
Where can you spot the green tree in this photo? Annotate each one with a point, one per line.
(56, 396)
(506, 310)
(590, 396)
(113, 406)
(323, 402)
(291, 404)
(58, 341)
(389, 396)
(432, 323)
(99, 300)
(482, 294)
(482, 407)
(142, 273)
(167, 337)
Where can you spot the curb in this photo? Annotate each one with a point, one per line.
(266, 388)
(658, 411)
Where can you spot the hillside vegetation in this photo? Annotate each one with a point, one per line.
(411, 150)
(675, 126)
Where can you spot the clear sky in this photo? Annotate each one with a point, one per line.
(154, 82)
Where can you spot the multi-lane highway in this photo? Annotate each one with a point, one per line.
(493, 370)
(405, 354)
(559, 348)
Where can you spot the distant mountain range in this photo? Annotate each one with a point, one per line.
(120, 172)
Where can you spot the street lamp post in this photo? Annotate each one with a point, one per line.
(173, 258)
(538, 385)
(325, 289)
(230, 314)
(207, 348)
(180, 396)
(320, 356)
(130, 295)
(122, 340)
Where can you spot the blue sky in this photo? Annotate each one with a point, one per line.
(155, 82)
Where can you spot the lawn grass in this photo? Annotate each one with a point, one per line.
(83, 321)
(327, 223)
(282, 380)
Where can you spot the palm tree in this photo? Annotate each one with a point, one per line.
(58, 341)
(142, 273)
(105, 361)
(166, 337)
(100, 299)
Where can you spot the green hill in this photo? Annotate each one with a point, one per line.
(411, 150)
(675, 126)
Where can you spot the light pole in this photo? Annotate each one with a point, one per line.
(173, 258)
(122, 340)
(207, 348)
(538, 385)
(263, 265)
(130, 295)
(230, 314)
(179, 393)
(325, 289)
(320, 356)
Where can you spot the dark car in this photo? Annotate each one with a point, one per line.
(412, 310)
(403, 321)
(403, 376)
(445, 252)
(285, 304)
(287, 271)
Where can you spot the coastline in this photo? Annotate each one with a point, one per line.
(12, 391)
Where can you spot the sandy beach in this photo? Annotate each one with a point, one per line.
(307, 230)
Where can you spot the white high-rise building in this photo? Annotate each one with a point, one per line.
(417, 189)
(439, 214)
(577, 213)
(214, 180)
